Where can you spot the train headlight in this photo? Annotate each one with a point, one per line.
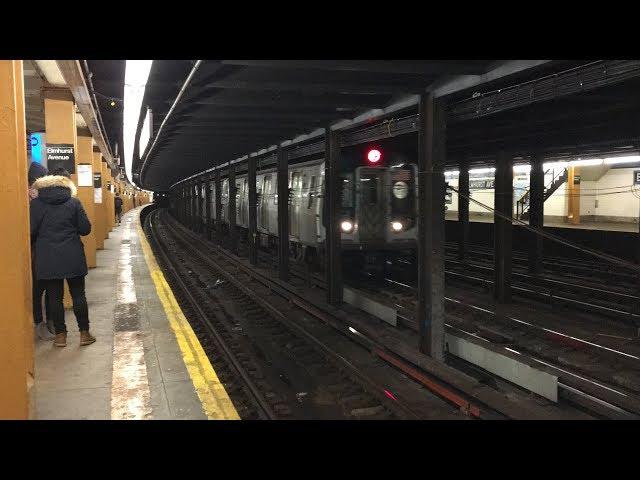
(396, 226)
(346, 226)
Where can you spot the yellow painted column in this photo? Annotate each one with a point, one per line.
(108, 201)
(573, 192)
(110, 195)
(99, 206)
(16, 331)
(22, 137)
(85, 195)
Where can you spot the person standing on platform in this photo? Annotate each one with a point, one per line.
(57, 222)
(118, 205)
(44, 330)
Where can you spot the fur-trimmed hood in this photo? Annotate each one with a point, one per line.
(54, 189)
(55, 181)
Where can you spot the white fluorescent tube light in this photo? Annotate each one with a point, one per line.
(586, 163)
(452, 172)
(136, 75)
(555, 165)
(482, 170)
(522, 168)
(618, 160)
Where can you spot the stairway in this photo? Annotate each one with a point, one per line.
(522, 210)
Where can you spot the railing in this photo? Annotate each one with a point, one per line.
(522, 205)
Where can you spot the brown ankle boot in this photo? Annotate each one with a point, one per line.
(86, 338)
(60, 340)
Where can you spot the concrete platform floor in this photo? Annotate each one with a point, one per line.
(604, 226)
(117, 378)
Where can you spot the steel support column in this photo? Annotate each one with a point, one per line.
(218, 196)
(283, 215)
(503, 227)
(233, 234)
(192, 206)
(253, 223)
(333, 267)
(536, 212)
(198, 201)
(207, 207)
(431, 223)
(463, 211)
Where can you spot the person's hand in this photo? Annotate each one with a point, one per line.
(33, 193)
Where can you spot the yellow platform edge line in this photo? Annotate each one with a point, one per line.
(214, 398)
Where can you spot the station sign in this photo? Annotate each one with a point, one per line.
(636, 177)
(97, 180)
(481, 184)
(61, 155)
(576, 179)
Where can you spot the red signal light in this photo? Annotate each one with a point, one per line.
(374, 155)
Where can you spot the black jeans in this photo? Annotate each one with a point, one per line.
(119, 215)
(55, 290)
(38, 290)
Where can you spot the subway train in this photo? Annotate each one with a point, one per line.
(378, 204)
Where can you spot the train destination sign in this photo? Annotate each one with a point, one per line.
(61, 155)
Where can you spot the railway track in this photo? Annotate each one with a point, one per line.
(276, 361)
(594, 405)
(598, 273)
(602, 378)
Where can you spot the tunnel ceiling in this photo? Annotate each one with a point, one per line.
(231, 108)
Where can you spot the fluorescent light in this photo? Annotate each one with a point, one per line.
(522, 168)
(555, 165)
(51, 72)
(586, 163)
(482, 170)
(145, 133)
(452, 172)
(617, 160)
(136, 75)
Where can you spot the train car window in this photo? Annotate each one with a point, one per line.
(312, 191)
(346, 197)
(369, 188)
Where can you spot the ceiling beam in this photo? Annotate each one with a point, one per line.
(74, 78)
(341, 87)
(431, 67)
(292, 101)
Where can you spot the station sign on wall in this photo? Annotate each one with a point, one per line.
(636, 177)
(61, 155)
(481, 184)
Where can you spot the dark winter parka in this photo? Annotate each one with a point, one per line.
(57, 221)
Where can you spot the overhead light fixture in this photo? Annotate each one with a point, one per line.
(482, 170)
(591, 162)
(136, 75)
(521, 168)
(618, 160)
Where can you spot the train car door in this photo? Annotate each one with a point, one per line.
(294, 205)
(225, 200)
(265, 199)
(241, 186)
(371, 203)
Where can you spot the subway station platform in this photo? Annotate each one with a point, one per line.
(585, 225)
(146, 364)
